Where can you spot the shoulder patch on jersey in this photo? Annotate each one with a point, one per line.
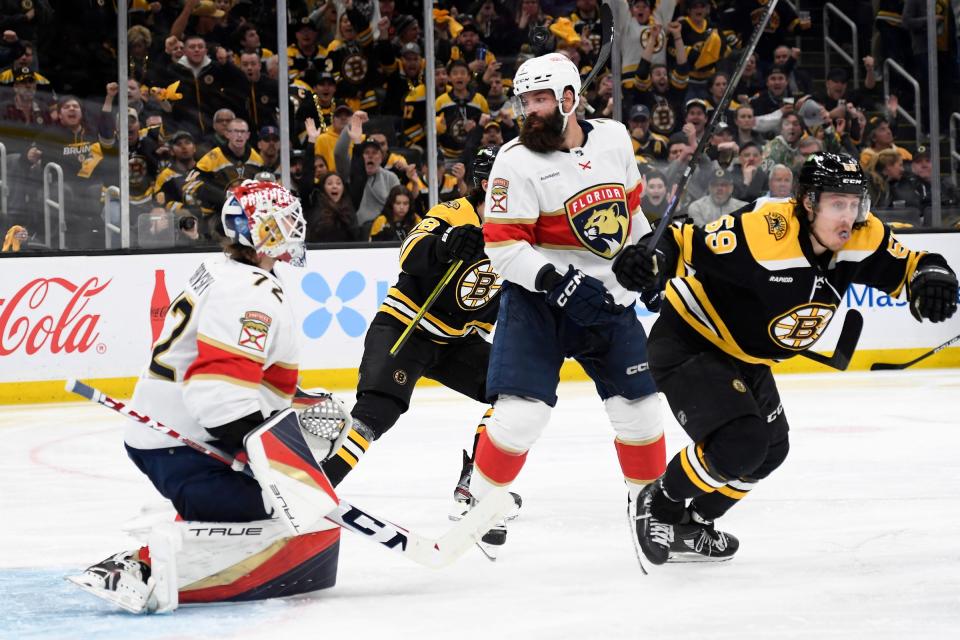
(498, 195)
(254, 326)
(451, 204)
(776, 224)
(599, 218)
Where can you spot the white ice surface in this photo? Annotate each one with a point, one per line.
(856, 536)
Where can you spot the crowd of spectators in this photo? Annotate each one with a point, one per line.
(204, 113)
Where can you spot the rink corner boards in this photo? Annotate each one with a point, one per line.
(344, 380)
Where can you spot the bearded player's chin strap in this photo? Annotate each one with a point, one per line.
(566, 114)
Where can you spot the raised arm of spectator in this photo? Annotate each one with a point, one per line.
(305, 185)
(870, 78)
(180, 24)
(107, 124)
(679, 47)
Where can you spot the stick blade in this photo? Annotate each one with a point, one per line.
(885, 366)
(847, 342)
(472, 527)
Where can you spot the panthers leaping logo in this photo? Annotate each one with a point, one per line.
(599, 218)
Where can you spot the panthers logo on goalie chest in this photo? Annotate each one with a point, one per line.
(599, 219)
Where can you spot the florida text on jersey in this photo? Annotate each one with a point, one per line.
(468, 304)
(578, 207)
(753, 287)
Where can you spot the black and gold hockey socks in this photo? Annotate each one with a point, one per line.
(348, 455)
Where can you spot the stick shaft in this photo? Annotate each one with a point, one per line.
(402, 340)
(708, 131)
(890, 366)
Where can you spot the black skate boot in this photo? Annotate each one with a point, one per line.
(463, 499)
(699, 541)
(121, 579)
(651, 518)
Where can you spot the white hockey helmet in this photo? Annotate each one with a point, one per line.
(553, 71)
(268, 218)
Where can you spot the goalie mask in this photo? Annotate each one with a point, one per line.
(554, 72)
(268, 218)
(832, 173)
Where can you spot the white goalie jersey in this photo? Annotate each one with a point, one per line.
(228, 348)
(579, 207)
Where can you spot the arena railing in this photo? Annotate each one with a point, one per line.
(915, 119)
(4, 184)
(829, 44)
(50, 171)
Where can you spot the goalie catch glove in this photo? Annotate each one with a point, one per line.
(583, 298)
(933, 289)
(325, 425)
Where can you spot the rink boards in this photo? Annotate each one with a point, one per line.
(89, 317)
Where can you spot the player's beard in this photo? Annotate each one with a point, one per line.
(543, 135)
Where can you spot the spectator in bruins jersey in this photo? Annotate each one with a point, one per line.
(448, 344)
(648, 147)
(247, 39)
(358, 61)
(205, 85)
(221, 168)
(305, 52)
(260, 101)
(398, 218)
(317, 104)
(87, 155)
(663, 91)
(458, 111)
(586, 20)
(725, 321)
(22, 116)
(706, 46)
(323, 143)
(879, 136)
(168, 188)
(405, 97)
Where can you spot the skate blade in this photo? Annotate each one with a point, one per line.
(683, 558)
(490, 551)
(126, 603)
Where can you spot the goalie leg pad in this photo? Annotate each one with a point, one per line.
(285, 467)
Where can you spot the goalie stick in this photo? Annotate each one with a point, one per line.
(890, 366)
(429, 552)
(846, 343)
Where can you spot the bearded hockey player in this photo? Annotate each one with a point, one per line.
(563, 200)
(744, 292)
(226, 359)
(448, 344)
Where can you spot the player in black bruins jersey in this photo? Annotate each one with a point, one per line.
(744, 292)
(448, 345)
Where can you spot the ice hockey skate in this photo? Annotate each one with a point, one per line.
(463, 499)
(699, 541)
(122, 580)
(652, 537)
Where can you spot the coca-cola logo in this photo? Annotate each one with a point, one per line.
(36, 317)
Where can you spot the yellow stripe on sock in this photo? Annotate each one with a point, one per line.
(691, 474)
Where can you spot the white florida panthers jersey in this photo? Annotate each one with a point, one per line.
(228, 348)
(578, 207)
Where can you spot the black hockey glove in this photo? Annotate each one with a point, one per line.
(583, 298)
(460, 243)
(933, 290)
(637, 271)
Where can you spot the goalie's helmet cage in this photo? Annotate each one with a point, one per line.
(268, 218)
(825, 172)
(553, 71)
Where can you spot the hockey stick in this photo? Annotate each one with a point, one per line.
(402, 340)
(607, 37)
(708, 131)
(890, 366)
(846, 343)
(430, 552)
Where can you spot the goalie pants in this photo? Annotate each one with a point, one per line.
(200, 487)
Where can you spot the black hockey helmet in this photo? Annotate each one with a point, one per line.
(832, 173)
(482, 165)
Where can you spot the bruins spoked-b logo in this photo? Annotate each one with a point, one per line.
(478, 286)
(599, 218)
(801, 326)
